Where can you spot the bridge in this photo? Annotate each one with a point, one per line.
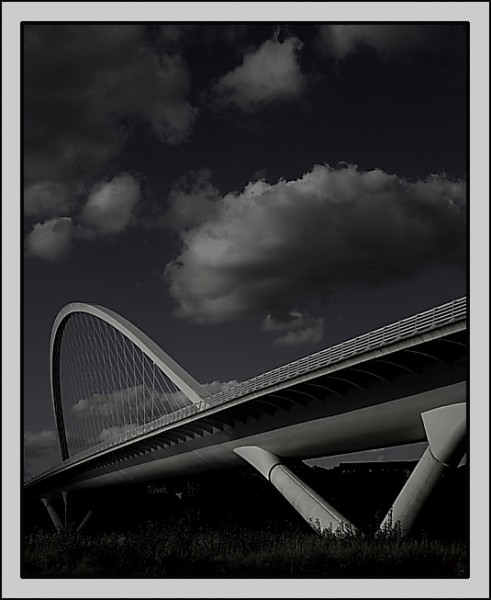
(126, 412)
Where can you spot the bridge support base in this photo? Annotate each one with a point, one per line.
(318, 513)
(445, 429)
(57, 522)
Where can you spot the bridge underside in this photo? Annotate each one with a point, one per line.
(374, 403)
(402, 384)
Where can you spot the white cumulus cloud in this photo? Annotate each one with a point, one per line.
(50, 240)
(192, 200)
(47, 199)
(213, 387)
(270, 73)
(108, 433)
(273, 248)
(139, 403)
(110, 205)
(82, 81)
(40, 443)
(389, 40)
(309, 334)
(41, 451)
(295, 328)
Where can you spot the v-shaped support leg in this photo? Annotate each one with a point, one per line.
(318, 513)
(446, 430)
(85, 521)
(55, 517)
(57, 522)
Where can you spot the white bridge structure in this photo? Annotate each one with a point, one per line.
(126, 412)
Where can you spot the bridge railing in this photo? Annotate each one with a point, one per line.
(406, 328)
(416, 324)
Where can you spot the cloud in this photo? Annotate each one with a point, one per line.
(276, 248)
(41, 451)
(310, 334)
(108, 210)
(105, 416)
(213, 387)
(86, 85)
(192, 200)
(40, 443)
(110, 205)
(47, 199)
(115, 431)
(50, 240)
(170, 33)
(135, 402)
(270, 73)
(389, 41)
(111, 413)
(296, 328)
(282, 322)
(108, 404)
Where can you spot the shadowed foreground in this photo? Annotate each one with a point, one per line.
(186, 549)
(237, 526)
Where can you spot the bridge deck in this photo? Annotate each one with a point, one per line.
(430, 320)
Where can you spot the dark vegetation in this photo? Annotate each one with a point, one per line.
(234, 524)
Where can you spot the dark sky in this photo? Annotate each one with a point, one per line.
(244, 194)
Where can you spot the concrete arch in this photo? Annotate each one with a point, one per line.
(187, 384)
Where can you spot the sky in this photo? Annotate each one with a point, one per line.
(246, 194)
(393, 103)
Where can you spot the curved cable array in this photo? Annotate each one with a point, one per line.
(104, 384)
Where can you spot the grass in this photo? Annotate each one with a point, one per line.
(185, 549)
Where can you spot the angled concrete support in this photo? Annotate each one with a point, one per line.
(85, 521)
(57, 522)
(318, 513)
(65, 502)
(445, 429)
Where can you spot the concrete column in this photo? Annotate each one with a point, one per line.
(445, 429)
(318, 513)
(57, 522)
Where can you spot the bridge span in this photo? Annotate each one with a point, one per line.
(127, 413)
